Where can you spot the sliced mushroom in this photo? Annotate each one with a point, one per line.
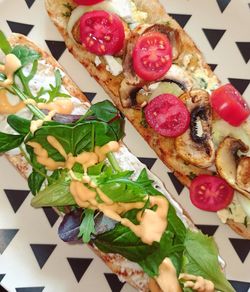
(195, 145)
(233, 168)
(243, 173)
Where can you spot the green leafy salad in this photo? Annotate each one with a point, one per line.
(190, 251)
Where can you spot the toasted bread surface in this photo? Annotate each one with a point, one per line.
(164, 147)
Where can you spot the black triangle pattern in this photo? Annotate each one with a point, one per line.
(30, 2)
(6, 236)
(223, 4)
(2, 289)
(241, 247)
(90, 95)
(79, 266)
(182, 19)
(244, 48)
(240, 286)
(42, 252)
(18, 27)
(56, 48)
(213, 66)
(213, 36)
(207, 229)
(51, 215)
(148, 161)
(177, 184)
(1, 277)
(240, 84)
(16, 197)
(30, 289)
(114, 283)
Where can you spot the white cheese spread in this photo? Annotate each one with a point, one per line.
(114, 65)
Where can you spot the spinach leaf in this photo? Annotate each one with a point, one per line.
(4, 44)
(151, 263)
(176, 226)
(106, 112)
(120, 188)
(123, 241)
(56, 194)
(25, 54)
(87, 226)
(201, 259)
(74, 138)
(38, 175)
(9, 141)
(96, 169)
(20, 125)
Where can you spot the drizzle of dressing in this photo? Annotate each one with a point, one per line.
(12, 63)
(61, 106)
(167, 279)
(86, 159)
(197, 283)
(36, 124)
(6, 108)
(152, 224)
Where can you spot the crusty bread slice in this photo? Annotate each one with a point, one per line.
(128, 271)
(164, 147)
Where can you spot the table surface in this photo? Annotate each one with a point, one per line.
(31, 254)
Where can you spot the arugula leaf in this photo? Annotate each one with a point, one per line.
(4, 44)
(176, 226)
(201, 258)
(9, 141)
(25, 54)
(96, 169)
(55, 90)
(87, 226)
(20, 125)
(56, 194)
(146, 183)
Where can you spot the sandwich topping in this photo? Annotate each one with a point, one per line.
(79, 165)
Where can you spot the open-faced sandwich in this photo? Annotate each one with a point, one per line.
(73, 157)
(159, 80)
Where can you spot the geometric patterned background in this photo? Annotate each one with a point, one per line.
(32, 257)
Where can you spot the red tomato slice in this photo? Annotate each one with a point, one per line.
(167, 115)
(230, 105)
(101, 32)
(87, 2)
(152, 56)
(210, 193)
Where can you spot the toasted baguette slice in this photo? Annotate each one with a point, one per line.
(126, 270)
(164, 147)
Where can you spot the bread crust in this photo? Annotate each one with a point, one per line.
(164, 147)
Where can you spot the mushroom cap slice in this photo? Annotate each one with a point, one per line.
(196, 145)
(227, 162)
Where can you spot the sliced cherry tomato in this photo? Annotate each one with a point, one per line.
(101, 32)
(152, 56)
(167, 115)
(87, 2)
(210, 193)
(230, 105)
